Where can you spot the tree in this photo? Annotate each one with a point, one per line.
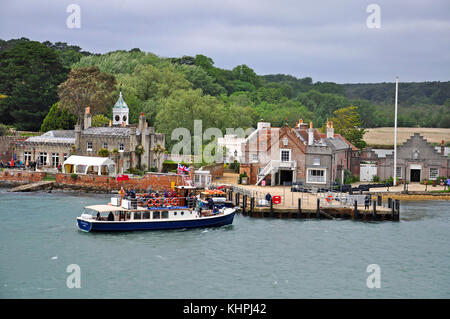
(103, 152)
(58, 119)
(346, 121)
(139, 150)
(159, 151)
(99, 120)
(115, 152)
(87, 87)
(29, 75)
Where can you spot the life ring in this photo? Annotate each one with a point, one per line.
(150, 202)
(167, 202)
(329, 198)
(175, 201)
(157, 202)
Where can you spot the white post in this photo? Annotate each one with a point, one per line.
(395, 132)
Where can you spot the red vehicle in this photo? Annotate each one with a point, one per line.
(122, 177)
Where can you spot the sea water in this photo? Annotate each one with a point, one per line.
(40, 246)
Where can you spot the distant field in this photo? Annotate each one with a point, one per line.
(385, 135)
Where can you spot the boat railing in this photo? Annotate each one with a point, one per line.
(159, 202)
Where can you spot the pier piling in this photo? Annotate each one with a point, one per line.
(374, 210)
(271, 207)
(299, 205)
(355, 210)
(318, 208)
(252, 204)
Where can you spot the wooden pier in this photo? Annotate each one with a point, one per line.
(377, 211)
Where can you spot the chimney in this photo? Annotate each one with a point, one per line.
(442, 148)
(142, 122)
(87, 118)
(330, 129)
(77, 136)
(310, 134)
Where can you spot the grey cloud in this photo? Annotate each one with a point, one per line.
(327, 40)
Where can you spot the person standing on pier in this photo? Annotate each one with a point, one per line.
(367, 202)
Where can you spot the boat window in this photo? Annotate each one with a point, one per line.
(182, 213)
(146, 215)
(156, 215)
(165, 214)
(128, 215)
(175, 213)
(137, 215)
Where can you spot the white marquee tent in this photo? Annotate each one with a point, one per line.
(89, 165)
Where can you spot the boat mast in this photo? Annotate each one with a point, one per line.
(395, 133)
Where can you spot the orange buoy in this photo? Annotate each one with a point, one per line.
(157, 202)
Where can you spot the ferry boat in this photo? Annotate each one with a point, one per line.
(153, 214)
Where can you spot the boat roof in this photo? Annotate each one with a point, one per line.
(106, 208)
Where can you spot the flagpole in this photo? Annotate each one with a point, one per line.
(395, 132)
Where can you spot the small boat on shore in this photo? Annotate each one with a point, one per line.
(155, 214)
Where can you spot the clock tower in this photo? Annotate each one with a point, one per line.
(120, 112)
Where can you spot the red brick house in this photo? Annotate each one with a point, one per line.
(274, 155)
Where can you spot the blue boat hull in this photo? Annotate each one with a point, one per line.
(155, 225)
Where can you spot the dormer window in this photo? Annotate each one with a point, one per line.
(89, 146)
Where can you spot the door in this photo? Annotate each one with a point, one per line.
(415, 175)
(286, 177)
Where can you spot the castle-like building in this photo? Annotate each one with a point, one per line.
(130, 146)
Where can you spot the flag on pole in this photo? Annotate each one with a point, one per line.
(182, 169)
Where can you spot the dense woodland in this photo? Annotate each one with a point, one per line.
(34, 89)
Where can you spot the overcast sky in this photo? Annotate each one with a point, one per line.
(328, 40)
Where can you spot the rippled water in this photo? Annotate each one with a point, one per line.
(253, 258)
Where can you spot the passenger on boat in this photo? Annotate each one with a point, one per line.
(99, 217)
(210, 203)
(110, 216)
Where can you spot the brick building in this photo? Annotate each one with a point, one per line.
(300, 154)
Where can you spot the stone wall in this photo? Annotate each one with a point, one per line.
(6, 146)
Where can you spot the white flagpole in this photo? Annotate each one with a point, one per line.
(395, 132)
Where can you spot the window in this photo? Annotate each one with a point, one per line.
(434, 173)
(398, 172)
(65, 156)
(89, 146)
(27, 156)
(285, 155)
(316, 161)
(285, 141)
(121, 147)
(42, 158)
(146, 215)
(156, 215)
(316, 176)
(165, 214)
(105, 145)
(255, 157)
(137, 215)
(124, 118)
(117, 118)
(55, 159)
